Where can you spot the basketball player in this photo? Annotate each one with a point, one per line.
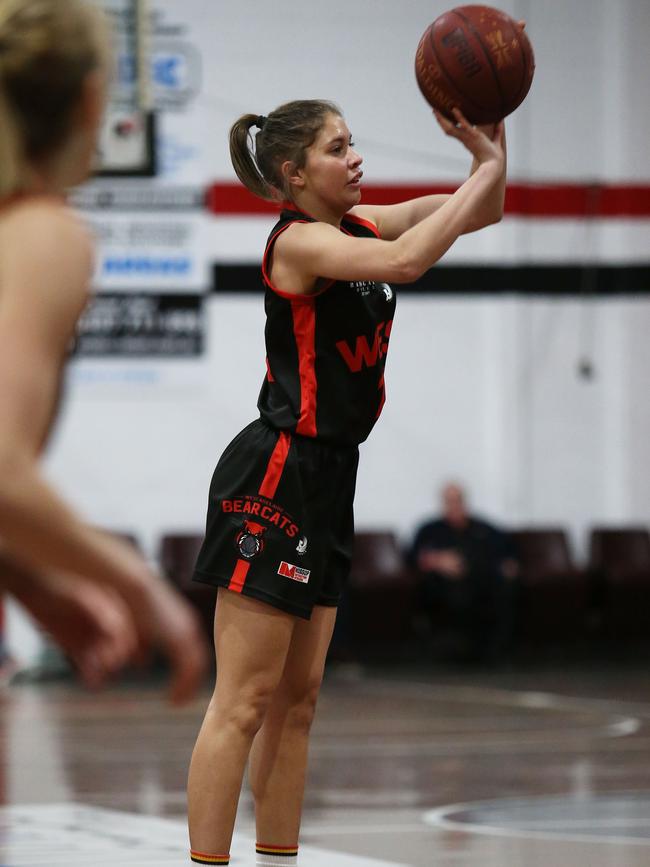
(54, 63)
(280, 526)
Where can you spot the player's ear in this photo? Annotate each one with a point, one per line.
(291, 174)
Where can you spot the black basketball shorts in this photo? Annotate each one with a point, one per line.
(280, 522)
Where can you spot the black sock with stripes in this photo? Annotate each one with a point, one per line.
(203, 858)
(276, 856)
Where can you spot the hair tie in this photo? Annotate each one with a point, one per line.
(261, 121)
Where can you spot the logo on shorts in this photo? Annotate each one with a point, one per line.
(301, 547)
(261, 507)
(250, 540)
(294, 572)
(388, 292)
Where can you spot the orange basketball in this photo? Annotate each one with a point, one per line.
(477, 59)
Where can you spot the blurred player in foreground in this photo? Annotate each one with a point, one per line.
(95, 595)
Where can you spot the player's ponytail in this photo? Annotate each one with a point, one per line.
(244, 160)
(283, 136)
(47, 48)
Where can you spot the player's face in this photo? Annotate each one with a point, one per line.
(332, 170)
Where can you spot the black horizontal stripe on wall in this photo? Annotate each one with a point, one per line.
(476, 280)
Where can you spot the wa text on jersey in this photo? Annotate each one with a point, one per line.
(366, 352)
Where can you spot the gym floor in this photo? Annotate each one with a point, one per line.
(409, 766)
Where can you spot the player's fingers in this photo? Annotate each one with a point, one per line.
(176, 631)
(112, 634)
(90, 667)
(183, 643)
(521, 24)
(461, 120)
(188, 670)
(444, 122)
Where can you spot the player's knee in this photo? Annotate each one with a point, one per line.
(248, 711)
(303, 707)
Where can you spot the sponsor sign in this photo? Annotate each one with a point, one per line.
(296, 573)
(147, 325)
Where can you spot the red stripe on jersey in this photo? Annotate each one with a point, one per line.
(265, 258)
(275, 466)
(238, 577)
(304, 329)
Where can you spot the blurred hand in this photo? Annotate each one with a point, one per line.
(163, 619)
(104, 622)
(90, 623)
(176, 631)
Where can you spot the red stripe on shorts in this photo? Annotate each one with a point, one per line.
(238, 578)
(275, 466)
(269, 486)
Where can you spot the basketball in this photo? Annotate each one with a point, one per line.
(477, 59)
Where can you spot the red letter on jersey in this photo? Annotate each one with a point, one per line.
(363, 353)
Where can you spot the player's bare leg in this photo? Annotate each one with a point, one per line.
(278, 760)
(251, 641)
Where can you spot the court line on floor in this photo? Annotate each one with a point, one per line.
(441, 817)
(615, 725)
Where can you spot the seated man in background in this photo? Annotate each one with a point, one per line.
(468, 569)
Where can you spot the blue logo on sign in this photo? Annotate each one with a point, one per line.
(147, 265)
(167, 71)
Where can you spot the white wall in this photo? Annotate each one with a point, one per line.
(584, 117)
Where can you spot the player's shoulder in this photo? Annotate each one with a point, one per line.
(302, 231)
(46, 217)
(40, 226)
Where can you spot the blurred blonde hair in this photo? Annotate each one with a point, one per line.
(47, 49)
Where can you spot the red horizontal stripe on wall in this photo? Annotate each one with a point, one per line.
(523, 200)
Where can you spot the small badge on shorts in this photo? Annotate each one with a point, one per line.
(301, 547)
(296, 573)
(250, 540)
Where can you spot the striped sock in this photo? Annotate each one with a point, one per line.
(276, 856)
(202, 858)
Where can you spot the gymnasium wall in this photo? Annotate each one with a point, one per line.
(536, 396)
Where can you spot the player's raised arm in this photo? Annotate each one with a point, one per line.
(393, 220)
(424, 230)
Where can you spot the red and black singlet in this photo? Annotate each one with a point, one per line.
(326, 352)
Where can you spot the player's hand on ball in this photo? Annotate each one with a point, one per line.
(485, 143)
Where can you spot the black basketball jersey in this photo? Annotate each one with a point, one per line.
(326, 352)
